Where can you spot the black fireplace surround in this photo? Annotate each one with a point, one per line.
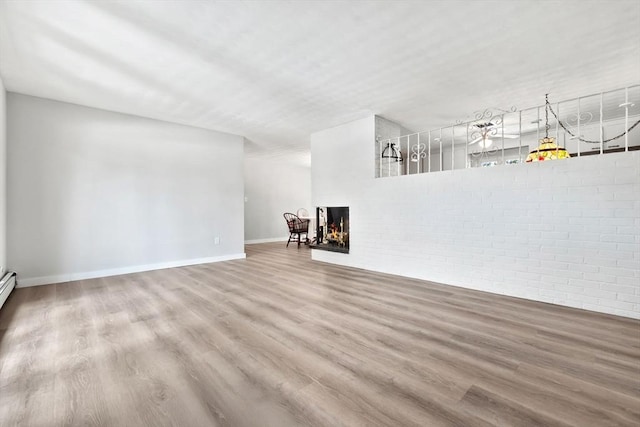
(332, 229)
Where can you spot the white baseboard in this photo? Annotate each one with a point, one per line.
(61, 278)
(269, 240)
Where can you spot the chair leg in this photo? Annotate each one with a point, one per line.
(288, 241)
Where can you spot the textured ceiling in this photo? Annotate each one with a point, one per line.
(278, 71)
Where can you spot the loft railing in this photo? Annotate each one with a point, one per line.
(589, 125)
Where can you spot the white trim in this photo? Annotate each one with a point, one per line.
(69, 277)
(270, 240)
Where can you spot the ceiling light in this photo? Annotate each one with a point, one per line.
(548, 149)
(392, 152)
(482, 132)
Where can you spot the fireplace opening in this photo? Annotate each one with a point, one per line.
(332, 229)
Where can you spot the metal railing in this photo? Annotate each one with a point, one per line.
(593, 124)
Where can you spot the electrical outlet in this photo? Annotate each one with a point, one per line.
(216, 240)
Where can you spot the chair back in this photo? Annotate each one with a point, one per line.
(295, 224)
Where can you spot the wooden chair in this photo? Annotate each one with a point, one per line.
(297, 227)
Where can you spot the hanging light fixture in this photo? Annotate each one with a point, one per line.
(392, 152)
(548, 149)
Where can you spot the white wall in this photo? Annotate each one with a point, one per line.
(3, 178)
(564, 232)
(94, 193)
(342, 164)
(273, 186)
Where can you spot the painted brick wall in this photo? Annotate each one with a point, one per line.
(565, 232)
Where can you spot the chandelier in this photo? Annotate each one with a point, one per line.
(548, 149)
(391, 152)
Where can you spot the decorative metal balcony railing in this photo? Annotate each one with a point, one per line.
(589, 125)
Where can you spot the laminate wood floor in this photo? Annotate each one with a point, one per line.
(278, 340)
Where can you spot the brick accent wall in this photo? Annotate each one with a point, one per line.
(564, 232)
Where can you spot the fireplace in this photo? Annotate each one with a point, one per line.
(332, 229)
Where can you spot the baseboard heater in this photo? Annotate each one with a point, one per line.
(7, 284)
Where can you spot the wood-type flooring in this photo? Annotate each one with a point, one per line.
(279, 340)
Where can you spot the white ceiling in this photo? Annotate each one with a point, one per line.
(278, 71)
